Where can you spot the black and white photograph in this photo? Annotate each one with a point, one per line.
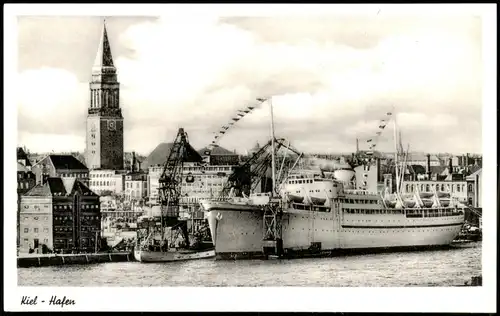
(310, 150)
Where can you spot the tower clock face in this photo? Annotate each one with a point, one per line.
(111, 125)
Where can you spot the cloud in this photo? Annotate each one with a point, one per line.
(51, 101)
(333, 79)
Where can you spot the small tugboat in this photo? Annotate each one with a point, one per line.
(166, 237)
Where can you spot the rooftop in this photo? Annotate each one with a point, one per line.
(58, 186)
(160, 154)
(66, 162)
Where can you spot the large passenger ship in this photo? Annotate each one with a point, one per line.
(320, 217)
(314, 214)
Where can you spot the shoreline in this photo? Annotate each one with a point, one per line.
(45, 260)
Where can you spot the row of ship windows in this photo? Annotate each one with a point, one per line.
(364, 231)
(360, 201)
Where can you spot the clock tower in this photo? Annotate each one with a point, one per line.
(104, 148)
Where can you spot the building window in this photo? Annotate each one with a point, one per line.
(35, 230)
(26, 240)
(45, 230)
(26, 230)
(45, 240)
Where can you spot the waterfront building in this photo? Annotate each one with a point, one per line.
(422, 159)
(61, 214)
(201, 180)
(474, 182)
(26, 180)
(104, 144)
(63, 166)
(457, 189)
(136, 186)
(106, 182)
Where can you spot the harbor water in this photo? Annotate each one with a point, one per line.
(445, 267)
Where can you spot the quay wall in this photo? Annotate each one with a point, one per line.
(54, 260)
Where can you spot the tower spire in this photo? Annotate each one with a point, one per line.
(104, 59)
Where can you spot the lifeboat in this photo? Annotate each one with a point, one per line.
(443, 194)
(410, 203)
(426, 194)
(318, 201)
(391, 204)
(295, 198)
(428, 202)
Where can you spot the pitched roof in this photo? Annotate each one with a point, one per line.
(217, 151)
(62, 187)
(160, 154)
(476, 173)
(66, 162)
(438, 169)
(39, 190)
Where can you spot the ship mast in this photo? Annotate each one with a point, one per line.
(273, 148)
(396, 156)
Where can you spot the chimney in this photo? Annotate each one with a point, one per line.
(357, 145)
(450, 165)
(428, 166)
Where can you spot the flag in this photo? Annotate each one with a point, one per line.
(225, 127)
(222, 132)
(251, 107)
(368, 140)
(241, 114)
(389, 113)
(381, 126)
(236, 119)
(378, 133)
(261, 99)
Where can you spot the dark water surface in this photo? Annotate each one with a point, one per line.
(448, 267)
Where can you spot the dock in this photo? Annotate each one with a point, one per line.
(39, 260)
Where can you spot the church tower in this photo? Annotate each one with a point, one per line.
(104, 148)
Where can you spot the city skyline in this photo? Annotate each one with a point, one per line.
(333, 76)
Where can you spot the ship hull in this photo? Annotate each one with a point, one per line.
(170, 256)
(238, 234)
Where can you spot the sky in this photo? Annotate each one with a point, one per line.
(331, 78)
